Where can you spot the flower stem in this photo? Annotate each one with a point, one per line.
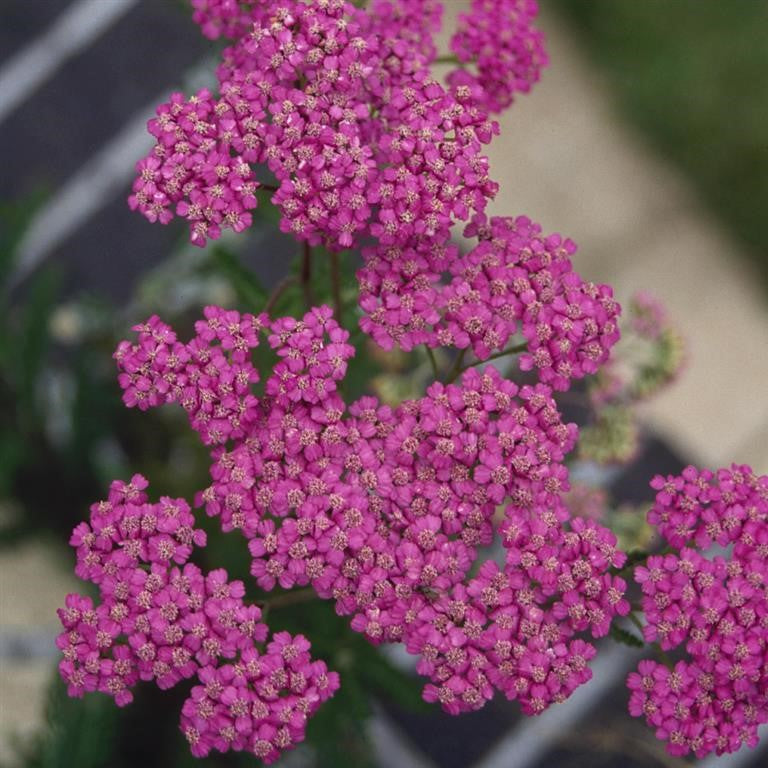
(279, 290)
(457, 369)
(290, 598)
(446, 58)
(633, 617)
(306, 275)
(336, 286)
(663, 656)
(432, 361)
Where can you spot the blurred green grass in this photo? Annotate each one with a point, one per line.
(693, 76)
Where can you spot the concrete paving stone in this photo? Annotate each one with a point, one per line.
(565, 159)
(34, 580)
(23, 693)
(717, 412)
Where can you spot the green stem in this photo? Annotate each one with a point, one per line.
(663, 656)
(289, 598)
(633, 617)
(279, 290)
(432, 361)
(447, 58)
(336, 286)
(268, 187)
(306, 276)
(458, 369)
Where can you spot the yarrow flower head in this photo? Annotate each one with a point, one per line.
(388, 510)
(383, 509)
(339, 105)
(192, 170)
(715, 607)
(507, 51)
(161, 619)
(515, 280)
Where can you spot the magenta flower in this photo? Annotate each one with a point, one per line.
(713, 607)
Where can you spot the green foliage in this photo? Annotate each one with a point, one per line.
(78, 732)
(666, 359)
(15, 218)
(253, 297)
(635, 557)
(247, 286)
(693, 75)
(624, 637)
(23, 344)
(612, 437)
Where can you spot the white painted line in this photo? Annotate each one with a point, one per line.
(535, 736)
(96, 183)
(73, 31)
(392, 749)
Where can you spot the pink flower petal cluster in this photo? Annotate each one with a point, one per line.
(199, 168)
(212, 382)
(228, 18)
(260, 704)
(513, 628)
(343, 112)
(515, 280)
(716, 608)
(338, 103)
(702, 507)
(433, 174)
(161, 619)
(383, 509)
(507, 51)
(405, 30)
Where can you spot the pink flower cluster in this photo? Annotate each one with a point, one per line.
(338, 103)
(705, 508)
(161, 619)
(211, 382)
(405, 30)
(515, 280)
(716, 607)
(648, 316)
(499, 38)
(261, 703)
(382, 510)
(192, 169)
(513, 629)
(227, 18)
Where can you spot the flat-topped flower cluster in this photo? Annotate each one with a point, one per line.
(161, 619)
(383, 510)
(338, 103)
(715, 607)
(389, 510)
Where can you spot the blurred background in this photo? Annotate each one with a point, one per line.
(646, 142)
